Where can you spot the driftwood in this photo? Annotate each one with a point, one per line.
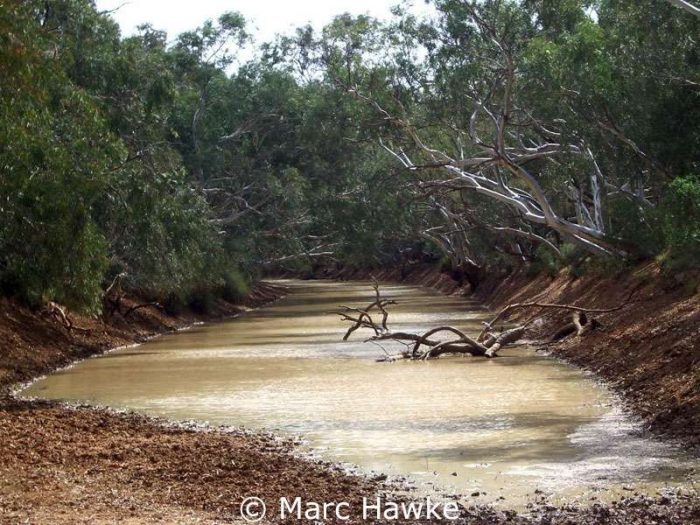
(418, 346)
(59, 313)
(580, 322)
(363, 317)
(578, 310)
(488, 343)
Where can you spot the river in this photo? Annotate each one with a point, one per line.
(504, 428)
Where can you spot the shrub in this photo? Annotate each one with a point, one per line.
(202, 300)
(680, 210)
(637, 227)
(545, 261)
(174, 303)
(236, 286)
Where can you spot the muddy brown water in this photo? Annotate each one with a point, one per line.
(504, 427)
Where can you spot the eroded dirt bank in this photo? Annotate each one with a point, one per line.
(648, 351)
(33, 343)
(82, 465)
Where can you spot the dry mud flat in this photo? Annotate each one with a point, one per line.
(82, 465)
(61, 465)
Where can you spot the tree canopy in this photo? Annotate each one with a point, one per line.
(496, 133)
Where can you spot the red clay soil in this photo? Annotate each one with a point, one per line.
(648, 351)
(89, 466)
(81, 465)
(34, 343)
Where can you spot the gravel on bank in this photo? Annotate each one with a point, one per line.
(61, 465)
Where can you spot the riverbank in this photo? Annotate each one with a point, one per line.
(81, 465)
(34, 343)
(67, 466)
(648, 351)
(64, 464)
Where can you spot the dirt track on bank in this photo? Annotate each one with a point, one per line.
(82, 465)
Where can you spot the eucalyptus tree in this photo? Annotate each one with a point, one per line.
(55, 157)
(498, 131)
(526, 106)
(92, 185)
(627, 83)
(201, 57)
(497, 143)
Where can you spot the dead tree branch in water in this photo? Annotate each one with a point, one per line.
(418, 347)
(363, 317)
(489, 342)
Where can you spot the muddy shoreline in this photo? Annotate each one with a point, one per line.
(84, 465)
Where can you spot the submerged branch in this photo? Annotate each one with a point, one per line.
(428, 345)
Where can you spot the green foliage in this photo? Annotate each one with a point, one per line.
(132, 155)
(202, 300)
(640, 228)
(545, 261)
(55, 156)
(87, 187)
(681, 223)
(236, 286)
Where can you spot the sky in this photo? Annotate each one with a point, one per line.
(266, 17)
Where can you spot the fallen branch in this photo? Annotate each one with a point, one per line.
(463, 344)
(463, 339)
(144, 305)
(59, 313)
(364, 319)
(488, 326)
(487, 344)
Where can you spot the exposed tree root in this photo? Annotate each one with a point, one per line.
(59, 313)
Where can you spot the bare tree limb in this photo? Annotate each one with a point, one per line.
(686, 5)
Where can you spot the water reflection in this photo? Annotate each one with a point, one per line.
(504, 426)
